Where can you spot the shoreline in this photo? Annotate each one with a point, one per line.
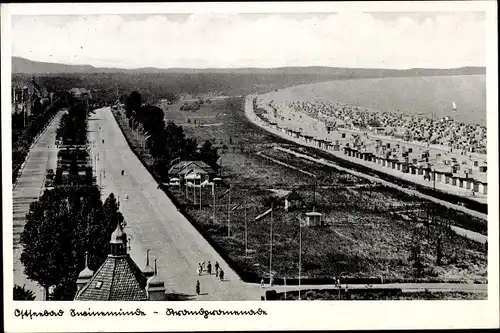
(251, 115)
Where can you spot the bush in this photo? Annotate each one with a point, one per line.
(23, 294)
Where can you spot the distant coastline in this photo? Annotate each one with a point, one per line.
(416, 95)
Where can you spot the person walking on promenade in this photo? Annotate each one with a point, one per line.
(217, 272)
(262, 283)
(199, 269)
(209, 268)
(217, 266)
(203, 266)
(221, 275)
(197, 287)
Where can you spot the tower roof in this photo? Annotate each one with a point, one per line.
(118, 236)
(86, 273)
(148, 270)
(155, 281)
(118, 279)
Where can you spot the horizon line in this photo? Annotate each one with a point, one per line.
(236, 68)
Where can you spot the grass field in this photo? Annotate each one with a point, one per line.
(410, 95)
(370, 230)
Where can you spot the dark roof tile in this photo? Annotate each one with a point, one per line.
(120, 280)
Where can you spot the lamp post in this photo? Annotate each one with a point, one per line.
(201, 188)
(214, 198)
(271, 248)
(229, 212)
(314, 194)
(300, 253)
(246, 232)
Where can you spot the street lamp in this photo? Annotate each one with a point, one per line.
(300, 253)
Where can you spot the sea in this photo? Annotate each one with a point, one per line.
(427, 96)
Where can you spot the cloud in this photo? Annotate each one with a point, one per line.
(231, 40)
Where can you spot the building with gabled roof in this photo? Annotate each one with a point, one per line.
(181, 169)
(291, 198)
(119, 278)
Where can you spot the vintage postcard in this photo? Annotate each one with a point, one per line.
(194, 162)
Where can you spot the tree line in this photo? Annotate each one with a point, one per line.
(61, 226)
(167, 141)
(26, 127)
(72, 128)
(68, 220)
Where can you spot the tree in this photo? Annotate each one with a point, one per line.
(23, 294)
(133, 103)
(58, 177)
(112, 215)
(152, 118)
(37, 106)
(190, 149)
(46, 239)
(209, 154)
(123, 99)
(65, 290)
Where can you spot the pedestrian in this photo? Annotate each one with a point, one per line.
(217, 266)
(203, 265)
(209, 268)
(221, 275)
(262, 283)
(199, 269)
(216, 272)
(197, 287)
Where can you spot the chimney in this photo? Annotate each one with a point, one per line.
(155, 287)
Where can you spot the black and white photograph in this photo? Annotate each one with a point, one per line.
(254, 153)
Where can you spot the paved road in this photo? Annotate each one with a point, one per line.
(153, 221)
(29, 186)
(253, 118)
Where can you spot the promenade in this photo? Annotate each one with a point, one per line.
(313, 127)
(28, 188)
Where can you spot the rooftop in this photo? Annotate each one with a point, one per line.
(118, 279)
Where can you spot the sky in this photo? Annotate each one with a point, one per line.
(229, 40)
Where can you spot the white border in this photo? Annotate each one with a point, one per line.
(284, 316)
